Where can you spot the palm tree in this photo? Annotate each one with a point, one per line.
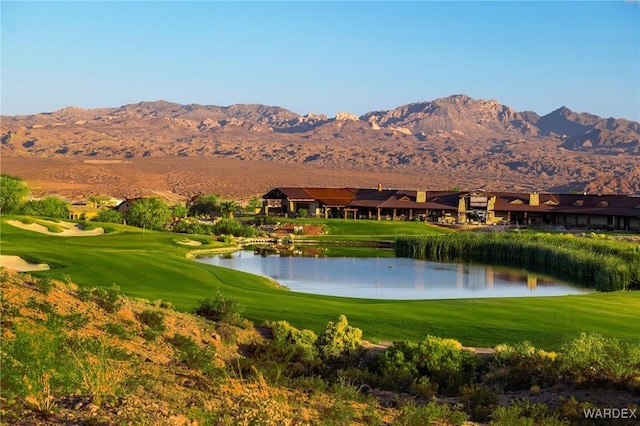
(228, 207)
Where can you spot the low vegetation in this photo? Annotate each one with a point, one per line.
(592, 260)
(122, 254)
(68, 359)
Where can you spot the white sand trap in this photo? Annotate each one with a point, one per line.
(68, 229)
(190, 243)
(19, 264)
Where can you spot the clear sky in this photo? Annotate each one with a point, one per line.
(322, 57)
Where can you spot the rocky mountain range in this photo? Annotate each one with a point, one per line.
(453, 136)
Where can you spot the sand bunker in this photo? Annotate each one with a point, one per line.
(19, 264)
(68, 229)
(189, 243)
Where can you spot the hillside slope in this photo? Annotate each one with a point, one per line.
(472, 139)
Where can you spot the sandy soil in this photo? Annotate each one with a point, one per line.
(190, 243)
(17, 263)
(69, 229)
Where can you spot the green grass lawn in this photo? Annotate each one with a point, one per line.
(152, 265)
(366, 230)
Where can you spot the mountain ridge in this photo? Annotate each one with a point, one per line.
(456, 134)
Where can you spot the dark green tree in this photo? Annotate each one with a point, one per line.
(47, 206)
(207, 205)
(179, 210)
(108, 215)
(149, 213)
(13, 194)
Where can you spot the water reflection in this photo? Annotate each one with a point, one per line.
(392, 278)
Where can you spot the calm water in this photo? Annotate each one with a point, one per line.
(391, 278)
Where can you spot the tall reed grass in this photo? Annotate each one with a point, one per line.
(592, 261)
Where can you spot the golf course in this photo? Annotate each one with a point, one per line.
(156, 265)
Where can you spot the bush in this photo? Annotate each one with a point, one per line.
(220, 309)
(593, 358)
(153, 319)
(432, 413)
(521, 412)
(338, 338)
(47, 206)
(190, 354)
(441, 360)
(478, 402)
(521, 366)
(108, 299)
(118, 330)
(44, 285)
(303, 213)
(109, 216)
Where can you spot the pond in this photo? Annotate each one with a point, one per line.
(391, 277)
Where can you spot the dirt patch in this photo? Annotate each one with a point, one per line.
(68, 229)
(16, 263)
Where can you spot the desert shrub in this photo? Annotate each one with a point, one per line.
(525, 413)
(520, 366)
(338, 338)
(233, 227)
(76, 320)
(220, 309)
(118, 330)
(34, 368)
(264, 220)
(593, 358)
(108, 299)
(153, 319)
(300, 344)
(290, 354)
(44, 285)
(412, 414)
(478, 402)
(253, 403)
(192, 355)
(441, 360)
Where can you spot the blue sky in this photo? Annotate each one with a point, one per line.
(322, 57)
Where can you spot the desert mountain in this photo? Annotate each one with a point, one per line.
(465, 139)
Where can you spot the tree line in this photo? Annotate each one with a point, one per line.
(148, 213)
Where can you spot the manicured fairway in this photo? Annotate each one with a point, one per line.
(152, 265)
(350, 230)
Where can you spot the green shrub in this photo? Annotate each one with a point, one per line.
(593, 358)
(441, 360)
(429, 414)
(109, 216)
(303, 213)
(118, 330)
(520, 366)
(76, 320)
(154, 320)
(338, 338)
(478, 402)
(302, 343)
(108, 299)
(44, 285)
(192, 355)
(525, 413)
(220, 309)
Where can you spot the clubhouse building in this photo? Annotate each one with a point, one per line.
(588, 211)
